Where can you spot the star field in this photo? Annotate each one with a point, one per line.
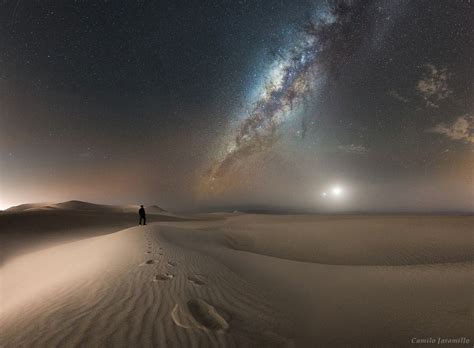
(242, 104)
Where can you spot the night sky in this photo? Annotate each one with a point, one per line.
(302, 105)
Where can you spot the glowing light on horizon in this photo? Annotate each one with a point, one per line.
(336, 190)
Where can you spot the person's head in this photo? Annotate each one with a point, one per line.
(141, 206)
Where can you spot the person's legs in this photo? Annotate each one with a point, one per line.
(140, 222)
(144, 220)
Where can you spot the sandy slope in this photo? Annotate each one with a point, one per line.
(130, 288)
(247, 281)
(31, 227)
(373, 281)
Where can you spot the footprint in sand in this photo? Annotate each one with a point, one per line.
(200, 314)
(163, 276)
(196, 280)
(148, 262)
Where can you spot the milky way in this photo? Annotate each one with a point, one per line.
(295, 73)
(238, 104)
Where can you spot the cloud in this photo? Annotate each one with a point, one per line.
(433, 85)
(461, 129)
(354, 149)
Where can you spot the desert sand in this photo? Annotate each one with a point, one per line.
(82, 275)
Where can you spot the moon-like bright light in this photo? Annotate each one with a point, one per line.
(334, 194)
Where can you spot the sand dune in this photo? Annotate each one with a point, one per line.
(31, 227)
(108, 291)
(353, 240)
(26, 207)
(247, 281)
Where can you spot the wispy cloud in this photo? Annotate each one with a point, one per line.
(433, 85)
(461, 129)
(354, 149)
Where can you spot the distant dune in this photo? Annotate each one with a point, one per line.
(84, 206)
(233, 280)
(26, 207)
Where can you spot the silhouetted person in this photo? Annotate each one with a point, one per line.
(142, 214)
